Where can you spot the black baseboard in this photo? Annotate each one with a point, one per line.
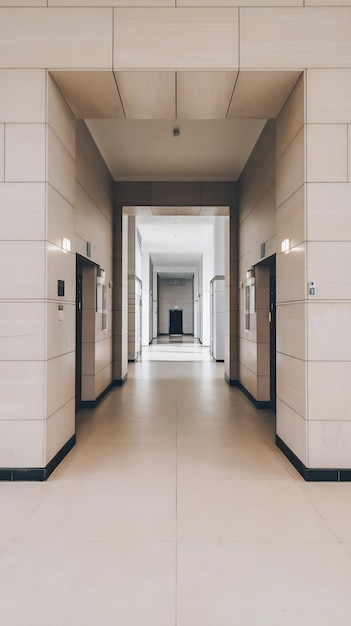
(92, 404)
(313, 474)
(259, 404)
(37, 473)
(118, 382)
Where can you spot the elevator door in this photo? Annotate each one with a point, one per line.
(79, 314)
(273, 357)
(175, 322)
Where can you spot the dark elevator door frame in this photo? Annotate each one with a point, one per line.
(79, 327)
(270, 264)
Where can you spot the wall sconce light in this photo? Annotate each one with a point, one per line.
(66, 244)
(285, 247)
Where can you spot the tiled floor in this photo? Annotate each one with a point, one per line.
(175, 509)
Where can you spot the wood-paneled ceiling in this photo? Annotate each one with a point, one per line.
(132, 114)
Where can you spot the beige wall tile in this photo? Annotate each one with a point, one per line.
(103, 354)
(291, 168)
(88, 387)
(61, 168)
(329, 444)
(60, 334)
(292, 429)
(60, 369)
(247, 378)
(204, 95)
(25, 152)
(164, 38)
(241, 3)
(23, 3)
(349, 152)
(22, 443)
(90, 93)
(148, 95)
(273, 87)
(291, 275)
(292, 383)
(60, 218)
(248, 354)
(329, 338)
(22, 96)
(102, 379)
(290, 219)
(328, 96)
(25, 261)
(329, 390)
(297, 41)
(291, 118)
(329, 268)
(53, 38)
(22, 211)
(326, 3)
(291, 328)
(60, 427)
(260, 167)
(2, 152)
(25, 320)
(92, 226)
(92, 173)
(263, 359)
(88, 358)
(263, 388)
(112, 3)
(328, 211)
(326, 152)
(60, 265)
(29, 377)
(60, 118)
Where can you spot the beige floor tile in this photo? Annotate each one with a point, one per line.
(18, 502)
(230, 510)
(263, 585)
(129, 430)
(244, 460)
(124, 508)
(88, 584)
(333, 503)
(175, 453)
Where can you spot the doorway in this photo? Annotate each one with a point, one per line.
(175, 322)
(266, 323)
(86, 273)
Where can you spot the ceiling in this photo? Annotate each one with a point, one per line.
(176, 243)
(132, 114)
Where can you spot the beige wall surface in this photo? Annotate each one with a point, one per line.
(41, 203)
(257, 225)
(93, 223)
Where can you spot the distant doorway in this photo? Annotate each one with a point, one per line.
(175, 321)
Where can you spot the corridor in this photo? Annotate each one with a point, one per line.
(175, 508)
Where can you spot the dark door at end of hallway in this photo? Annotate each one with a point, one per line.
(175, 322)
(79, 313)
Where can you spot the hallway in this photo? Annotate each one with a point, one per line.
(175, 508)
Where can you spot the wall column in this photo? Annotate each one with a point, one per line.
(328, 265)
(231, 343)
(120, 296)
(37, 347)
